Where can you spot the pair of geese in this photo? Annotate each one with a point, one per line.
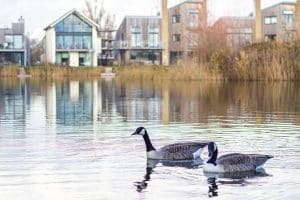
(234, 162)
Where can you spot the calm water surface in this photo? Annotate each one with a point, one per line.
(71, 139)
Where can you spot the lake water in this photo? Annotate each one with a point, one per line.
(71, 139)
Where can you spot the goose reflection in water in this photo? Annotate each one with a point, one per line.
(237, 178)
(151, 164)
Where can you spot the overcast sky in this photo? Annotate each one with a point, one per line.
(40, 13)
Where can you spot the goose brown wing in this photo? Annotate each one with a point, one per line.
(181, 151)
(242, 162)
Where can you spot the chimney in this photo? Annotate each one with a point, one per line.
(21, 20)
(165, 32)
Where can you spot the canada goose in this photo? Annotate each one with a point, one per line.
(178, 151)
(234, 162)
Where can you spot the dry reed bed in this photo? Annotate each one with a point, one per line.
(274, 61)
(53, 72)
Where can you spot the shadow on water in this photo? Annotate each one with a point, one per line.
(151, 164)
(214, 180)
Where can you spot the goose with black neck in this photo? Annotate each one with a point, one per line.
(234, 162)
(177, 151)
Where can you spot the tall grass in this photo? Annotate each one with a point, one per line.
(9, 71)
(264, 62)
(275, 61)
(185, 71)
(53, 72)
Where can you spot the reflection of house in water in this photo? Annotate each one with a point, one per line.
(70, 112)
(74, 91)
(51, 103)
(14, 99)
(138, 101)
(107, 97)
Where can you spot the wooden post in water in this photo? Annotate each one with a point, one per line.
(166, 104)
(203, 14)
(258, 21)
(165, 33)
(297, 18)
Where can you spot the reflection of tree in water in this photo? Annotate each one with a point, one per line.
(195, 102)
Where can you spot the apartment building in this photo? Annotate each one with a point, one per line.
(186, 22)
(238, 31)
(13, 48)
(279, 21)
(138, 40)
(72, 40)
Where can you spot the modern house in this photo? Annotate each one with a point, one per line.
(13, 48)
(279, 21)
(186, 22)
(138, 40)
(72, 40)
(238, 31)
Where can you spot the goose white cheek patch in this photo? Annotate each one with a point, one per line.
(142, 132)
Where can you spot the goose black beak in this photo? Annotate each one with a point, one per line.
(134, 133)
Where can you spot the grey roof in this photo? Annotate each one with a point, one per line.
(187, 1)
(81, 16)
(281, 3)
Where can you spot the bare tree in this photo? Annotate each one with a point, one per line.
(37, 49)
(94, 9)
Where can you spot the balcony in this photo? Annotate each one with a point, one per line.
(123, 45)
(108, 46)
(107, 57)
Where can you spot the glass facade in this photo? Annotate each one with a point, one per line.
(175, 19)
(85, 59)
(153, 37)
(288, 17)
(12, 58)
(150, 56)
(270, 20)
(136, 37)
(62, 58)
(73, 33)
(193, 18)
(13, 42)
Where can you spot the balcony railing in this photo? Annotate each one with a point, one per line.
(139, 45)
(108, 47)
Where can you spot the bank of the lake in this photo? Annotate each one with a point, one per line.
(258, 62)
(53, 72)
(275, 61)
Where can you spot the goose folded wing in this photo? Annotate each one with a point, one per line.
(181, 151)
(250, 160)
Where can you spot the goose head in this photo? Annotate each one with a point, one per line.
(143, 132)
(140, 131)
(212, 153)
